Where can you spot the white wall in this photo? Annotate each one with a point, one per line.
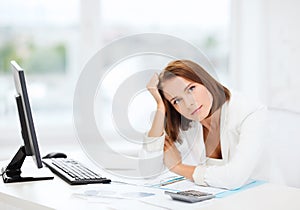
(265, 54)
(264, 64)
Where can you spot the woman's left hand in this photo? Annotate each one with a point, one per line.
(172, 156)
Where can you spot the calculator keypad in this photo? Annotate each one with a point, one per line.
(192, 193)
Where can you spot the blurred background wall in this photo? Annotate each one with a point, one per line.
(253, 44)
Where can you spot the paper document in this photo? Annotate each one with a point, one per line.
(123, 194)
(189, 185)
(120, 196)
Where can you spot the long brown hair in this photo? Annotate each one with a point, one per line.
(193, 72)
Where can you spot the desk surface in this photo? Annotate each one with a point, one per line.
(266, 196)
(57, 194)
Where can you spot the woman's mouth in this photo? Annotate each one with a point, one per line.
(196, 110)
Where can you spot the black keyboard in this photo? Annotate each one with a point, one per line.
(74, 172)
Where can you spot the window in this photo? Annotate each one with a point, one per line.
(52, 40)
(42, 36)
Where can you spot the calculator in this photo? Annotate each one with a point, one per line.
(190, 196)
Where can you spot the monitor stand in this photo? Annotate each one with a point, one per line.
(12, 173)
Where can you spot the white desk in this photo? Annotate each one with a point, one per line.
(57, 194)
(265, 197)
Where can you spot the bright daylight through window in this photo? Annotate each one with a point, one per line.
(53, 40)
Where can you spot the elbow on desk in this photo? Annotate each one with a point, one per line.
(235, 184)
(229, 182)
(230, 185)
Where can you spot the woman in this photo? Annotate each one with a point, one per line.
(205, 134)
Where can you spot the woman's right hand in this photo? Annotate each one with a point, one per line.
(152, 88)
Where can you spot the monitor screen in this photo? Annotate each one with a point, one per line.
(27, 126)
(12, 173)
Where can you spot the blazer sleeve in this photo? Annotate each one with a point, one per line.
(151, 155)
(241, 164)
(153, 144)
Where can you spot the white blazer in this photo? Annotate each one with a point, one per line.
(241, 136)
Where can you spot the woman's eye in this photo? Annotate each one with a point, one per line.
(192, 88)
(176, 101)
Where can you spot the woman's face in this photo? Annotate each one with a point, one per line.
(190, 99)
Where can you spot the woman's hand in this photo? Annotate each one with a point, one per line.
(152, 88)
(172, 156)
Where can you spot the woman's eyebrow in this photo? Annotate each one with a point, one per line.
(183, 91)
(187, 86)
(173, 98)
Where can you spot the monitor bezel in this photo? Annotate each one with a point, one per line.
(30, 143)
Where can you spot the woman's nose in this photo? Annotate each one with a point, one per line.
(190, 101)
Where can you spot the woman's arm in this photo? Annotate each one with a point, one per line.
(151, 161)
(184, 170)
(157, 127)
(246, 156)
(173, 160)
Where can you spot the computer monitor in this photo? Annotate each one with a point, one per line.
(13, 173)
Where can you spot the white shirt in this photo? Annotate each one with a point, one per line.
(241, 138)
